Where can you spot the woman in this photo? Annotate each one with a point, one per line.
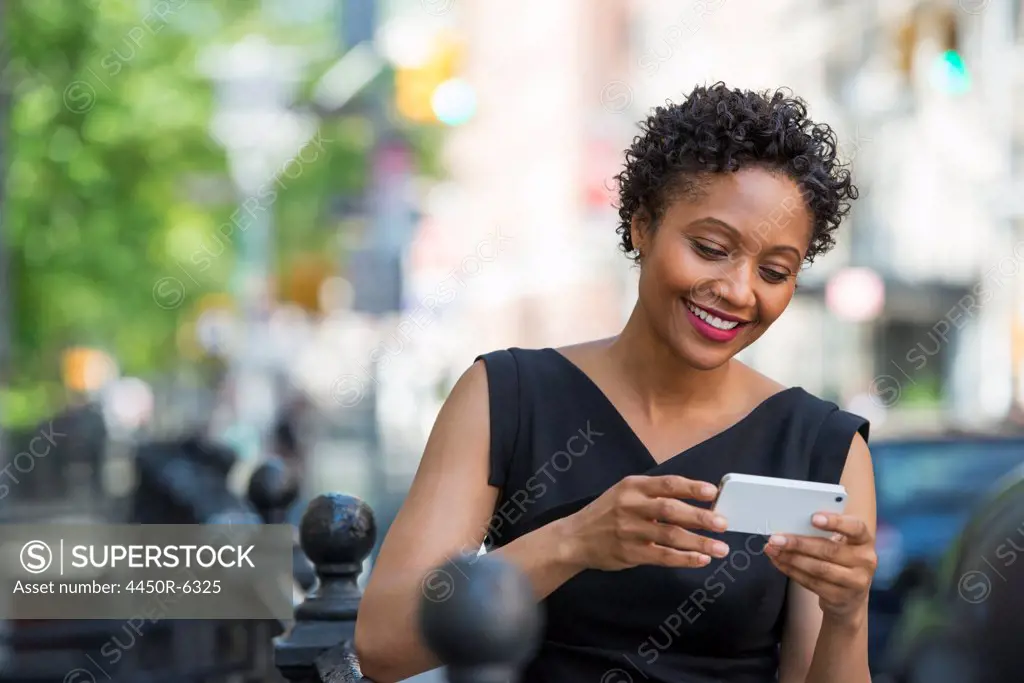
(592, 467)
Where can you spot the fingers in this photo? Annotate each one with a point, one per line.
(853, 528)
(672, 536)
(663, 556)
(673, 486)
(819, 586)
(672, 511)
(659, 521)
(825, 549)
(819, 571)
(637, 529)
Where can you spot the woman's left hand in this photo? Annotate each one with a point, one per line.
(838, 569)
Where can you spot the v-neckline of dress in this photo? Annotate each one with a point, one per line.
(651, 459)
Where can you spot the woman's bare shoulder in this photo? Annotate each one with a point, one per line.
(585, 353)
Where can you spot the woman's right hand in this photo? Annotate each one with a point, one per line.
(643, 520)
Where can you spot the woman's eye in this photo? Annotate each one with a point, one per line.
(709, 251)
(773, 276)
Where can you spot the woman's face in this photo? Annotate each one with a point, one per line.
(721, 268)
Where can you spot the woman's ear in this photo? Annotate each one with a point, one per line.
(638, 231)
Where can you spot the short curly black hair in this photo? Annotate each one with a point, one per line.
(719, 130)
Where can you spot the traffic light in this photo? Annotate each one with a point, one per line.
(950, 75)
(413, 89)
(431, 92)
(938, 28)
(949, 72)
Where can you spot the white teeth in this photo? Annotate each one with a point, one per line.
(715, 322)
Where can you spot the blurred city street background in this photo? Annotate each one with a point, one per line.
(290, 225)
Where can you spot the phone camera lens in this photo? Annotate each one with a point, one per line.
(839, 499)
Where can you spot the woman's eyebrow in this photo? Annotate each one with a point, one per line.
(711, 220)
(787, 248)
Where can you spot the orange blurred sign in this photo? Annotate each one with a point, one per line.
(305, 279)
(86, 369)
(415, 86)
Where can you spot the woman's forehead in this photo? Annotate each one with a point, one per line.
(749, 200)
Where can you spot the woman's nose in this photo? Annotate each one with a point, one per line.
(737, 289)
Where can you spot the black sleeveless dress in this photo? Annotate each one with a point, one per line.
(557, 443)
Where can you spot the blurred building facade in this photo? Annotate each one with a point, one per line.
(909, 320)
(537, 161)
(925, 87)
(913, 320)
(929, 81)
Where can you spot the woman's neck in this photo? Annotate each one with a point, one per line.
(661, 380)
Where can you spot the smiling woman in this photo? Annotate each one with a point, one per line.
(723, 198)
(732, 270)
(764, 193)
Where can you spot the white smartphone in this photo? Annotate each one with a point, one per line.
(770, 505)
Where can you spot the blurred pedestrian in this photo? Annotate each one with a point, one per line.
(289, 446)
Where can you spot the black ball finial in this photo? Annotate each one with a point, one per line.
(337, 529)
(337, 533)
(272, 490)
(480, 617)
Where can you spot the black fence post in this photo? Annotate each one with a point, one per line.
(337, 533)
(272, 490)
(479, 616)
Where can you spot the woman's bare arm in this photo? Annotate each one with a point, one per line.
(446, 513)
(639, 520)
(815, 648)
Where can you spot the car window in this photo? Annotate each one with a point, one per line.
(940, 474)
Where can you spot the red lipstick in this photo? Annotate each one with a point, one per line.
(710, 332)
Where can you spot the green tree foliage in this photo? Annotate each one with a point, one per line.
(107, 114)
(115, 189)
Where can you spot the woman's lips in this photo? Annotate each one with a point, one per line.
(709, 331)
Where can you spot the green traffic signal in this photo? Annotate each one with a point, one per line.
(950, 74)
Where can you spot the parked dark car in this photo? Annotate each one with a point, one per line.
(926, 492)
(964, 621)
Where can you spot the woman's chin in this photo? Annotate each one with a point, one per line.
(704, 358)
